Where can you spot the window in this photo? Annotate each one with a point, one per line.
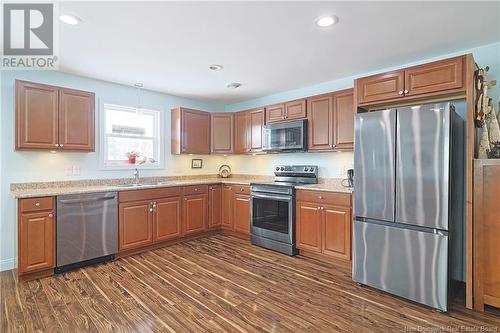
(130, 137)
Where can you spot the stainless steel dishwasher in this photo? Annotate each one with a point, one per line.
(87, 229)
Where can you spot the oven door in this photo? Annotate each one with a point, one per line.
(272, 217)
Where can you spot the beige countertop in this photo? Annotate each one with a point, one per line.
(41, 189)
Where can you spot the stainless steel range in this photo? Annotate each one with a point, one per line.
(272, 212)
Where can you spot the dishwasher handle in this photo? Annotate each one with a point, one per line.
(75, 201)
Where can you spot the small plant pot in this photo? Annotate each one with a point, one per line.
(131, 159)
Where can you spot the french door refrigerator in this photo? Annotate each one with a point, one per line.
(408, 200)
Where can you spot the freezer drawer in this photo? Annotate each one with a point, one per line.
(404, 262)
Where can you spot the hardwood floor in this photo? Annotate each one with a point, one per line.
(217, 284)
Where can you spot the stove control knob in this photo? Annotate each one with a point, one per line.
(306, 169)
(277, 168)
(282, 168)
(311, 169)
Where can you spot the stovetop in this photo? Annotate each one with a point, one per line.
(292, 175)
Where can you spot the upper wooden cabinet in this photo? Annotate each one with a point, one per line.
(222, 133)
(190, 131)
(241, 133)
(429, 79)
(292, 110)
(248, 131)
(54, 118)
(331, 121)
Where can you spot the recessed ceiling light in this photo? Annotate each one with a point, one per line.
(138, 85)
(233, 85)
(69, 19)
(326, 21)
(216, 67)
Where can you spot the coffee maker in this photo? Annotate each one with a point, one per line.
(349, 181)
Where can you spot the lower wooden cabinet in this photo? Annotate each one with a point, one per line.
(167, 222)
(194, 213)
(323, 223)
(36, 232)
(135, 224)
(241, 213)
(227, 207)
(214, 206)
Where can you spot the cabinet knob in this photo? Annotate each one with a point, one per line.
(51, 215)
(61, 145)
(319, 208)
(333, 146)
(57, 145)
(321, 197)
(37, 204)
(406, 91)
(242, 189)
(196, 189)
(151, 209)
(401, 92)
(185, 199)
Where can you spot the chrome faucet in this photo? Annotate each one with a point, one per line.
(136, 176)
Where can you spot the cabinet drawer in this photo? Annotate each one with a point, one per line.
(242, 189)
(149, 194)
(331, 198)
(196, 189)
(36, 204)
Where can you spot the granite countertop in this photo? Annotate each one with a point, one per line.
(41, 189)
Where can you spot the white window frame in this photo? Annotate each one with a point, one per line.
(158, 142)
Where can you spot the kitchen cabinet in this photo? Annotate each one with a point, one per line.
(135, 224)
(36, 235)
(256, 123)
(292, 110)
(222, 133)
(241, 213)
(248, 131)
(149, 216)
(190, 131)
(195, 209)
(331, 121)
(227, 207)
(428, 79)
(241, 133)
(323, 223)
(214, 206)
(486, 233)
(167, 222)
(54, 118)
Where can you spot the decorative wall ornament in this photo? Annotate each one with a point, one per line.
(482, 100)
(484, 144)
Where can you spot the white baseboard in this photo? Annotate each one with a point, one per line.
(7, 264)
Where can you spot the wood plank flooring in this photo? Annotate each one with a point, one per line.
(217, 284)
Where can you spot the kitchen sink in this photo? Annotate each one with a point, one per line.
(139, 184)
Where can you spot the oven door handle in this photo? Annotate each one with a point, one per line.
(274, 196)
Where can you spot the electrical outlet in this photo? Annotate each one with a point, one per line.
(69, 171)
(76, 170)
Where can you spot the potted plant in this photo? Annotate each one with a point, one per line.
(132, 156)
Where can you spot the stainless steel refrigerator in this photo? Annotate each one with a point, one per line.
(409, 201)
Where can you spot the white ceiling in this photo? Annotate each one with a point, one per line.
(268, 46)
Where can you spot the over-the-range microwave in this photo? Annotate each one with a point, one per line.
(282, 137)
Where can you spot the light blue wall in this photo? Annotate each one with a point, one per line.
(43, 166)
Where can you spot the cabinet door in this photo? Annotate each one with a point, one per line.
(241, 132)
(380, 87)
(195, 132)
(336, 231)
(135, 225)
(36, 116)
(241, 213)
(194, 218)
(227, 207)
(76, 120)
(214, 206)
(308, 226)
(343, 106)
(222, 125)
(256, 123)
(437, 76)
(37, 241)
(320, 115)
(275, 113)
(167, 219)
(295, 109)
